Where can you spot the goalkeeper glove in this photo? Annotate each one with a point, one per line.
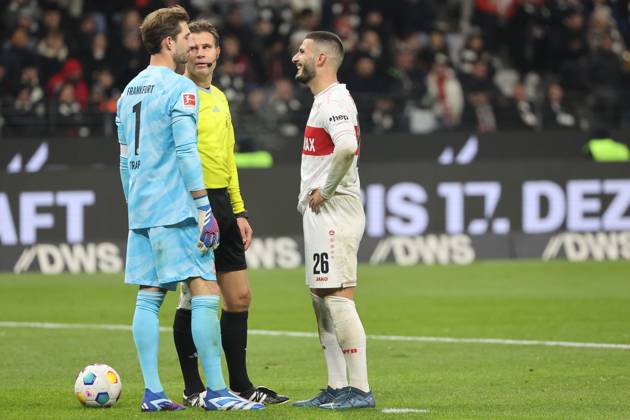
(208, 225)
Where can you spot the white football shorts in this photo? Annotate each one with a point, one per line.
(331, 242)
(185, 297)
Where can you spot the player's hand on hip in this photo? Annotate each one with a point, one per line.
(246, 231)
(209, 237)
(315, 200)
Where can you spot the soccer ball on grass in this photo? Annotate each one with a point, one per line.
(98, 385)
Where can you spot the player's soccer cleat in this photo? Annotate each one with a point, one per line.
(350, 397)
(157, 401)
(192, 400)
(263, 395)
(327, 395)
(225, 400)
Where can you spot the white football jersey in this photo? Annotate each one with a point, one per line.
(333, 114)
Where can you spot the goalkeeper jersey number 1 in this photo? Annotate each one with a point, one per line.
(154, 104)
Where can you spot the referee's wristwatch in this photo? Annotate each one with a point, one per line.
(242, 214)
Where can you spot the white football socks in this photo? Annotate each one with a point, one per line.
(351, 338)
(335, 362)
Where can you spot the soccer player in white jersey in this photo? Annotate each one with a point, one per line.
(163, 185)
(333, 222)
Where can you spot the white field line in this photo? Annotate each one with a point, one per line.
(404, 410)
(498, 341)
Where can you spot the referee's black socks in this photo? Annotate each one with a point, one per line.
(187, 352)
(234, 340)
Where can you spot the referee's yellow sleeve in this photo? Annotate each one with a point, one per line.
(234, 190)
(216, 145)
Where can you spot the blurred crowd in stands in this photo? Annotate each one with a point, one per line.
(412, 65)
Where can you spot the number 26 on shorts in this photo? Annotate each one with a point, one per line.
(320, 265)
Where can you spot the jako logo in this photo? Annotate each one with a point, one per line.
(598, 246)
(429, 249)
(336, 118)
(350, 351)
(102, 257)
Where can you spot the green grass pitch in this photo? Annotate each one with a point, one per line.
(585, 302)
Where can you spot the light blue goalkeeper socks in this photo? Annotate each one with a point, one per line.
(206, 334)
(146, 335)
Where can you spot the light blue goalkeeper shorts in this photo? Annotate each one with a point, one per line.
(162, 256)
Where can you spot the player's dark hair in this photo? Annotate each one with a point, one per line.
(328, 38)
(200, 25)
(160, 24)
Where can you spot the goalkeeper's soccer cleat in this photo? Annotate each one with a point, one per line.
(225, 400)
(157, 401)
(263, 395)
(327, 395)
(350, 397)
(192, 400)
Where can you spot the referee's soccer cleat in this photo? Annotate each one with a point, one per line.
(192, 400)
(157, 401)
(263, 395)
(224, 400)
(327, 395)
(350, 397)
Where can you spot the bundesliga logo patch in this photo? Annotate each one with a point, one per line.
(188, 100)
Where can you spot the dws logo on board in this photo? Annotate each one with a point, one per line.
(107, 257)
(599, 246)
(104, 257)
(281, 252)
(429, 250)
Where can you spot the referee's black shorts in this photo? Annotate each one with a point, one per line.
(230, 255)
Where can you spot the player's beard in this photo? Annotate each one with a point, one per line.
(180, 57)
(307, 73)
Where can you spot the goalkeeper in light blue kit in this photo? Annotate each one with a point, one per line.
(163, 185)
